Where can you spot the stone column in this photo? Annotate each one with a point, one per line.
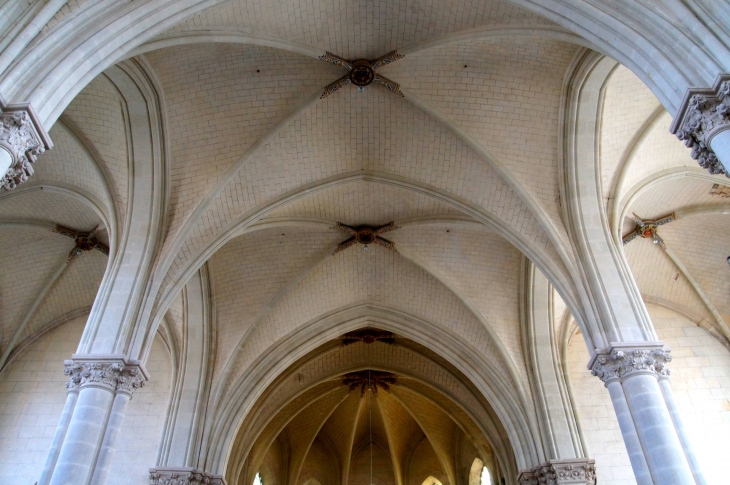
(183, 476)
(22, 139)
(636, 368)
(703, 124)
(577, 471)
(681, 430)
(85, 439)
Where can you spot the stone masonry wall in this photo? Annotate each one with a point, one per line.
(701, 382)
(32, 397)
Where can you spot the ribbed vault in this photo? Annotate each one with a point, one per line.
(310, 424)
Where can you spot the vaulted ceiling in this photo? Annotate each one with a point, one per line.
(467, 164)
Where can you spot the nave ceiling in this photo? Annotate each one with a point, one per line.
(258, 169)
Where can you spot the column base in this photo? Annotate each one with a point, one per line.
(576, 471)
(168, 475)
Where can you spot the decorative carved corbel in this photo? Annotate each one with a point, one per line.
(183, 476)
(622, 362)
(703, 114)
(23, 139)
(576, 471)
(114, 373)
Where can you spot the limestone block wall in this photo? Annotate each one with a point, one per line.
(32, 396)
(701, 383)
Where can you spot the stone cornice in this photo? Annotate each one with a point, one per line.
(112, 372)
(704, 113)
(183, 476)
(22, 135)
(576, 471)
(624, 360)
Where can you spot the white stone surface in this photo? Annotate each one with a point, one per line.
(700, 380)
(140, 433)
(32, 397)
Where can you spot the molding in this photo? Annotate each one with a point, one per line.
(628, 359)
(517, 435)
(111, 372)
(183, 476)
(22, 136)
(703, 113)
(559, 472)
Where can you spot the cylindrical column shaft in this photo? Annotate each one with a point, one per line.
(681, 431)
(628, 430)
(85, 433)
(113, 428)
(655, 428)
(58, 438)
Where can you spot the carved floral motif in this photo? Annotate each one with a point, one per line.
(113, 375)
(575, 472)
(621, 364)
(85, 241)
(365, 235)
(183, 476)
(703, 114)
(361, 73)
(24, 138)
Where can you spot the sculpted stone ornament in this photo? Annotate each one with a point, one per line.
(183, 476)
(622, 363)
(703, 114)
(85, 241)
(111, 372)
(361, 73)
(577, 471)
(22, 140)
(365, 235)
(647, 228)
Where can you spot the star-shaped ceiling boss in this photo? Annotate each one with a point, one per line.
(85, 241)
(648, 229)
(362, 73)
(365, 235)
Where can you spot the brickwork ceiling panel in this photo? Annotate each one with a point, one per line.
(358, 29)
(252, 269)
(355, 132)
(70, 163)
(506, 93)
(355, 276)
(627, 105)
(660, 279)
(98, 112)
(49, 207)
(482, 266)
(220, 99)
(35, 257)
(702, 242)
(366, 203)
(657, 150)
(76, 289)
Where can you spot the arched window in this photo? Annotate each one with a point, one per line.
(486, 478)
(479, 474)
(431, 481)
(257, 480)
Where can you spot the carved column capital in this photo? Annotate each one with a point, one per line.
(183, 476)
(24, 138)
(625, 360)
(703, 114)
(114, 373)
(576, 471)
